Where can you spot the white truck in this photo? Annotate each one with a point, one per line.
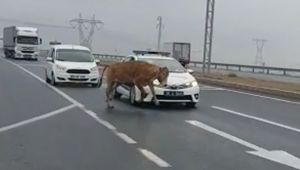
(181, 51)
(21, 42)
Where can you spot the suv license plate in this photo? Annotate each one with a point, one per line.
(77, 77)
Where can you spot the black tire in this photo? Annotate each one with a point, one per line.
(190, 105)
(116, 94)
(132, 96)
(46, 77)
(53, 83)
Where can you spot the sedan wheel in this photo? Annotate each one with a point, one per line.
(132, 96)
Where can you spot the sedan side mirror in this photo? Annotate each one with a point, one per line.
(190, 71)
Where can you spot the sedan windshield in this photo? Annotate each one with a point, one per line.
(74, 55)
(172, 64)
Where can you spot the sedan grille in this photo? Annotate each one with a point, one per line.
(163, 97)
(78, 71)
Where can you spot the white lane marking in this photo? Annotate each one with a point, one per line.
(261, 96)
(99, 120)
(265, 97)
(151, 156)
(125, 137)
(70, 99)
(37, 118)
(278, 156)
(223, 134)
(256, 118)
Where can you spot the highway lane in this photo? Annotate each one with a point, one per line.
(68, 140)
(165, 132)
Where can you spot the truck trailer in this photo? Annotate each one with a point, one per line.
(181, 51)
(21, 42)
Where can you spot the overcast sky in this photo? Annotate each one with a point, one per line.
(131, 24)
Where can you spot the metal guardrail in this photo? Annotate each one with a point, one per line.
(108, 58)
(223, 66)
(252, 68)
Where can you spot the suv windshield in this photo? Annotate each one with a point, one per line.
(74, 55)
(27, 40)
(172, 64)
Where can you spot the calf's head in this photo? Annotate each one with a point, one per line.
(163, 75)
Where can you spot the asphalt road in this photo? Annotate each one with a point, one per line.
(69, 128)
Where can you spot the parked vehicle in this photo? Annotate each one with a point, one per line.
(181, 86)
(181, 51)
(21, 42)
(71, 64)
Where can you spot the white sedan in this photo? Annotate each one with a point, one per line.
(181, 86)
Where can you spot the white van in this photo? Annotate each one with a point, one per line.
(71, 64)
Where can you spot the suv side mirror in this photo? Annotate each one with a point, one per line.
(97, 61)
(49, 59)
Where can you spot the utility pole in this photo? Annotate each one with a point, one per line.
(208, 37)
(82, 23)
(159, 26)
(259, 51)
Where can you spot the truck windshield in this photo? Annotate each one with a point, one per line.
(74, 55)
(172, 64)
(27, 40)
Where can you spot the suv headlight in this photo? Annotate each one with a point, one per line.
(192, 84)
(94, 69)
(60, 68)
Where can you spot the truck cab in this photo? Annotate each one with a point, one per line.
(21, 42)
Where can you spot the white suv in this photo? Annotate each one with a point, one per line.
(71, 64)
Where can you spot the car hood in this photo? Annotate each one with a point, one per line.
(179, 78)
(76, 65)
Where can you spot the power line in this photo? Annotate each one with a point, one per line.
(84, 23)
(208, 37)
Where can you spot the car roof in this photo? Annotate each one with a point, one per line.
(154, 57)
(70, 46)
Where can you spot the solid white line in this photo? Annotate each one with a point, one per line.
(126, 138)
(151, 156)
(265, 97)
(43, 81)
(256, 118)
(223, 134)
(35, 119)
(261, 96)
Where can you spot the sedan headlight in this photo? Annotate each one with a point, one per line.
(156, 82)
(192, 84)
(60, 68)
